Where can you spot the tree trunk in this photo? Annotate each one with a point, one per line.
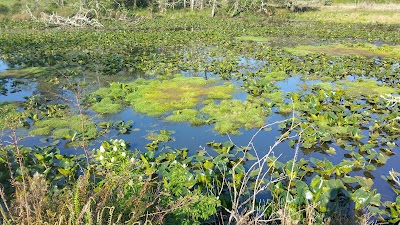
(184, 4)
(192, 4)
(235, 8)
(214, 5)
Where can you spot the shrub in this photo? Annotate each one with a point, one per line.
(4, 9)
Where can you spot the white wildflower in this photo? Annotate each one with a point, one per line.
(101, 157)
(112, 159)
(115, 148)
(132, 160)
(102, 150)
(309, 195)
(123, 154)
(123, 144)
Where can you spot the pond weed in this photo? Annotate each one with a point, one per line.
(106, 106)
(65, 127)
(361, 49)
(187, 115)
(366, 87)
(231, 115)
(154, 98)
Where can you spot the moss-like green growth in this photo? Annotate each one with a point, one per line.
(326, 79)
(273, 76)
(186, 115)
(9, 115)
(154, 98)
(366, 87)
(29, 72)
(275, 97)
(62, 133)
(106, 105)
(44, 131)
(65, 127)
(162, 136)
(363, 49)
(231, 115)
(252, 38)
(323, 85)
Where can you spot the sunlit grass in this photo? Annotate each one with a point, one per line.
(355, 13)
(362, 49)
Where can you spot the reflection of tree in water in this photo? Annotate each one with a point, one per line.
(340, 208)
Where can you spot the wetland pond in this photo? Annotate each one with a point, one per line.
(334, 96)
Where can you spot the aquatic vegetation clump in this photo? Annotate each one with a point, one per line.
(10, 117)
(29, 72)
(162, 136)
(154, 98)
(273, 76)
(252, 38)
(67, 128)
(106, 106)
(192, 116)
(366, 87)
(231, 115)
(362, 49)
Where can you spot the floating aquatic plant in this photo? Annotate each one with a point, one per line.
(30, 72)
(231, 115)
(106, 105)
(68, 128)
(368, 50)
(154, 98)
(366, 87)
(252, 38)
(187, 115)
(162, 136)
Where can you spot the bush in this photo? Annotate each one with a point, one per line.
(4, 9)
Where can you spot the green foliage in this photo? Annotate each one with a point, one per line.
(106, 106)
(47, 161)
(10, 117)
(362, 49)
(156, 98)
(66, 128)
(4, 9)
(366, 87)
(186, 115)
(163, 136)
(252, 38)
(230, 115)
